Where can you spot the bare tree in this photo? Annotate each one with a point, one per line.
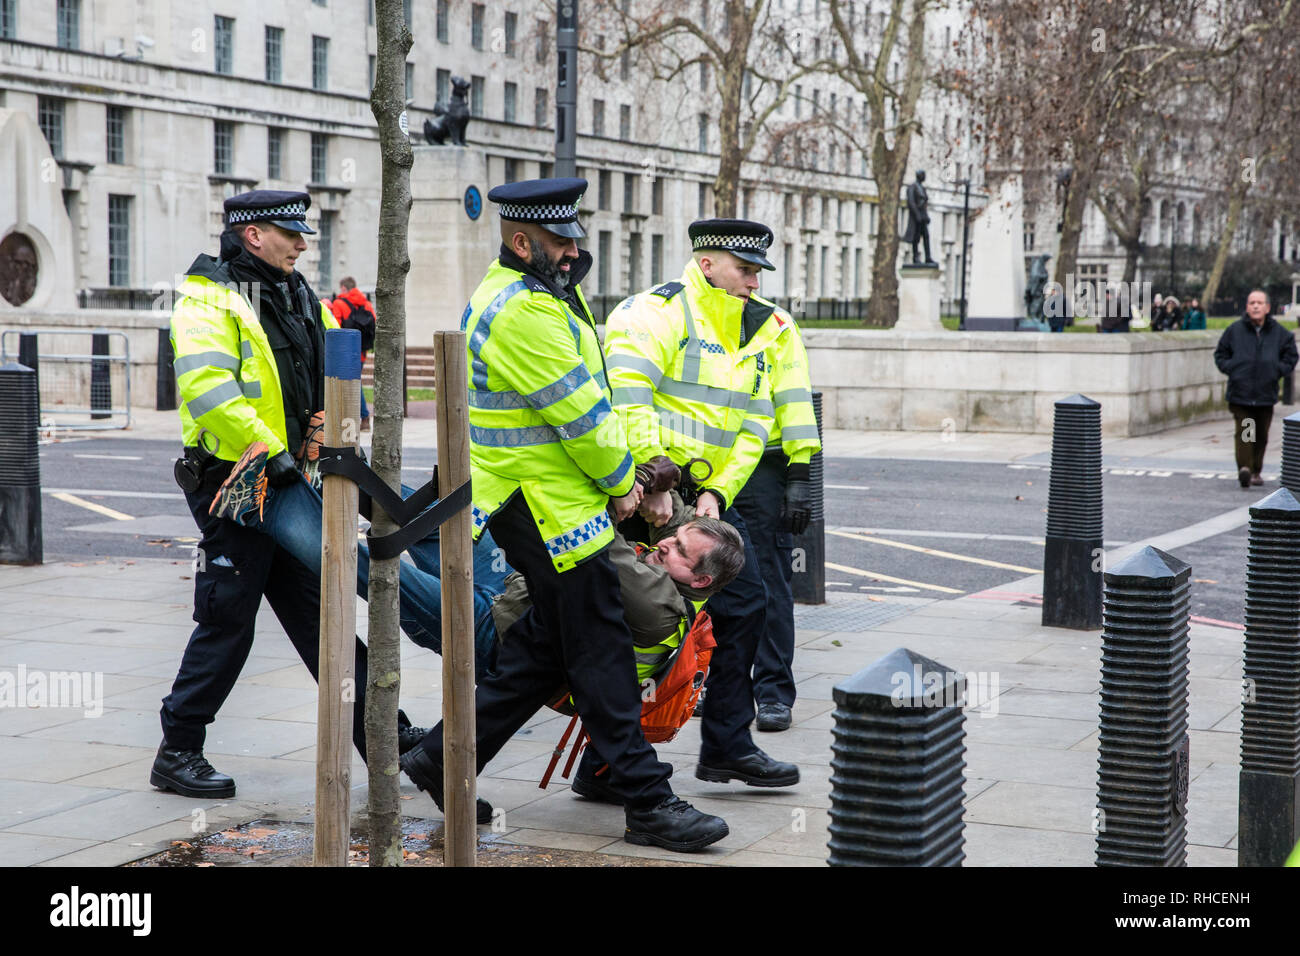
(1122, 191)
(387, 102)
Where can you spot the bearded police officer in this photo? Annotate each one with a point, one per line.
(688, 367)
(550, 462)
(248, 335)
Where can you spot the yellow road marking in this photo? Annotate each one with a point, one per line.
(91, 506)
(936, 553)
(877, 576)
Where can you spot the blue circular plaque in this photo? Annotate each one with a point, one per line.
(473, 202)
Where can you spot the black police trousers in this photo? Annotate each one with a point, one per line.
(237, 566)
(760, 503)
(574, 635)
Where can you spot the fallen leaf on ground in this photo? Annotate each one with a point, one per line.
(234, 835)
(1020, 497)
(837, 643)
(182, 843)
(407, 796)
(255, 849)
(872, 597)
(1204, 581)
(205, 864)
(410, 855)
(258, 833)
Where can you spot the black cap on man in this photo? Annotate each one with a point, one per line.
(549, 203)
(279, 207)
(743, 238)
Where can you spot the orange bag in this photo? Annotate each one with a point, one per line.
(667, 710)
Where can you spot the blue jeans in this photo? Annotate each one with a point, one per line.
(292, 517)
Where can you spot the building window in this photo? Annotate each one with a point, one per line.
(223, 44)
(785, 268)
(444, 87)
(625, 122)
(541, 107)
(319, 3)
(703, 201)
(704, 76)
(633, 262)
(320, 53)
(657, 197)
(656, 260)
(603, 188)
(443, 16)
(223, 147)
(512, 96)
(512, 169)
(704, 132)
(629, 192)
(545, 170)
(406, 13)
(825, 253)
(543, 40)
(319, 157)
(512, 25)
(274, 54)
(625, 65)
(325, 249)
(274, 153)
(410, 82)
(8, 19)
(69, 24)
(370, 13)
(602, 245)
(50, 115)
(119, 240)
(598, 117)
(116, 134)
(476, 95)
(476, 26)
(371, 70)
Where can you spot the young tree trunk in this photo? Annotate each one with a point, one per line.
(1131, 252)
(1236, 202)
(387, 101)
(890, 166)
(731, 151)
(1067, 255)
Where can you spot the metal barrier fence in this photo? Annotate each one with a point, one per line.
(91, 385)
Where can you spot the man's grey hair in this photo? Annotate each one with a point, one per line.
(726, 559)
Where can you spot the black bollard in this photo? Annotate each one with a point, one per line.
(808, 585)
(166, 390)
(1142, 753)
(101, 380)
(1268, 808)
(1291, 453)
(29, 354)
(20, 467)
(896, 769)
(1072, 556)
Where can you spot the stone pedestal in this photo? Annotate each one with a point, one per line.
(920, 291)
(450, 251)
(997, 261)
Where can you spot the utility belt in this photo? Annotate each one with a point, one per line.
(199, 470)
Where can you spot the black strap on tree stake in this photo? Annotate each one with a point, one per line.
(413, 514)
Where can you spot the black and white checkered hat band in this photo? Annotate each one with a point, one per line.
(289, 210)
(548, 213)
(757, 243)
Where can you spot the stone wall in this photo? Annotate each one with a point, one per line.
(1008, 381)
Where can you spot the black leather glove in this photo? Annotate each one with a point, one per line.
(796, 510)
(658, 474)
(281, 470)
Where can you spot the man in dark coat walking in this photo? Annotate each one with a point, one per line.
(1254, 352)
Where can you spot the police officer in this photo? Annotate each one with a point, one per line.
(688, 367)
(248, 335)
(550, 462)
(776, 504)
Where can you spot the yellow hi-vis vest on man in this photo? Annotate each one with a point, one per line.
(795, 431)
(540, 417)
(686, 385)
(226, 375)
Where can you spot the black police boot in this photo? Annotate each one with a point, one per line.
(426, 773)
(774, 717)
(756, 769)
(674, 825)
(188, 773)
(589, 783)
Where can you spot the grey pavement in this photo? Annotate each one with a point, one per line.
(74, 779)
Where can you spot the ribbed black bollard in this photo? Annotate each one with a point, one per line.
(101, 379)
(809, 582)
(1142, 753)
(29, 354)
(20, 467)
(1072, 556)
(1268, 808)
(1291, 453)
(166, 390)
(896, 769)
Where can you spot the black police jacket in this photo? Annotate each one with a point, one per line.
(1254, 359)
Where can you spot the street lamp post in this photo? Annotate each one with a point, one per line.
(566, 95)
(965, 238)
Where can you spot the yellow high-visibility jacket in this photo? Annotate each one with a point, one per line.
(540, 416)
(686, 386)
(795, 430)
(226, 375)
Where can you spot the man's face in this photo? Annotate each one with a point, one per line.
(551, 255)
(275, 246)
(680, 553)
(734, 276)
(1257, 307)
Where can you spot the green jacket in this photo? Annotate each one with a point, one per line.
(540, 416)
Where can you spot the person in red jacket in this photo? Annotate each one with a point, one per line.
(355, 311)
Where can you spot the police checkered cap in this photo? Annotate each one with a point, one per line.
(289, 210)
(549, 212)
(744, 238)
(710, 241)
